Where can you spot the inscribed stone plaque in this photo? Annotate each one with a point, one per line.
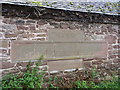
(65, 35)
(61, 65)
(30, 50)
(81, 49)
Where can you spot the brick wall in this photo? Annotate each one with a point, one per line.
(13, 28)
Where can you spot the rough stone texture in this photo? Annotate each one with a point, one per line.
(6, 65)
(24, 64)
(21, 23)
(4, 43)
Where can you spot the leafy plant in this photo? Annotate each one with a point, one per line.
(32, 78)
(35, 78)
(104, 84)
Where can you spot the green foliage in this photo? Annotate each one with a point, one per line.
(103, 84)
(94, 73)
(71, 3)
(55, 79)
(35, 78)
(81, 84)
(32, 78)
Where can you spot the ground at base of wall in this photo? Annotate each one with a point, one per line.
(75, 79)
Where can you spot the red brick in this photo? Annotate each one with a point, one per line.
(6, 65)
(42, 39)
(64, 26)
(19, 32)
(116, 46)
(100, 67)
(30, 22)
(97, 62)
(87, 59)
(24, 64)
(110, 47)
(32, 27)
(39, 31)
(22, 27)
(6, 20)
(10, 35)
(118, 40)
(113, 52)
(99, 33)
(31, 35)
(41, 35)
(24, 35)
(41, 22)
(116, 61)
(118, 55)
(112, 56)
(87, 64)
(3, 51)
(20, 22)
(13, 71)
(111, 39)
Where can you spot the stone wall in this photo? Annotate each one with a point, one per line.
(95, 28)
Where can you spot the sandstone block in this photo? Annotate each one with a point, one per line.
(61, 65)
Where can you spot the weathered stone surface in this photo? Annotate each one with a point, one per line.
(22, 27)
(10, 35)
(65, 35)
(3, 51)
(38, 31)
(97, 62)
(6, 20)
(41, 39)
(32, 27)
(3, 43)
(30, 22)
(111, 39)
(118, 41)
(41, 22)
(27, 50)
(20, 22)
(116, 46)
(41, 35)
(81, 49)
(6, 65)
(1, 35)
(9, 27)
(99, 37)
(87, 64)
(64, 26)
(61, 65)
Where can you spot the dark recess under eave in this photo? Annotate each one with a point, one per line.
(36, 12)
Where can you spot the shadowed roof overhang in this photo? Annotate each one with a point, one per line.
(37, 12)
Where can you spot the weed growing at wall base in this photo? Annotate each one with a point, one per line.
(36, 78)
(32, 78)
